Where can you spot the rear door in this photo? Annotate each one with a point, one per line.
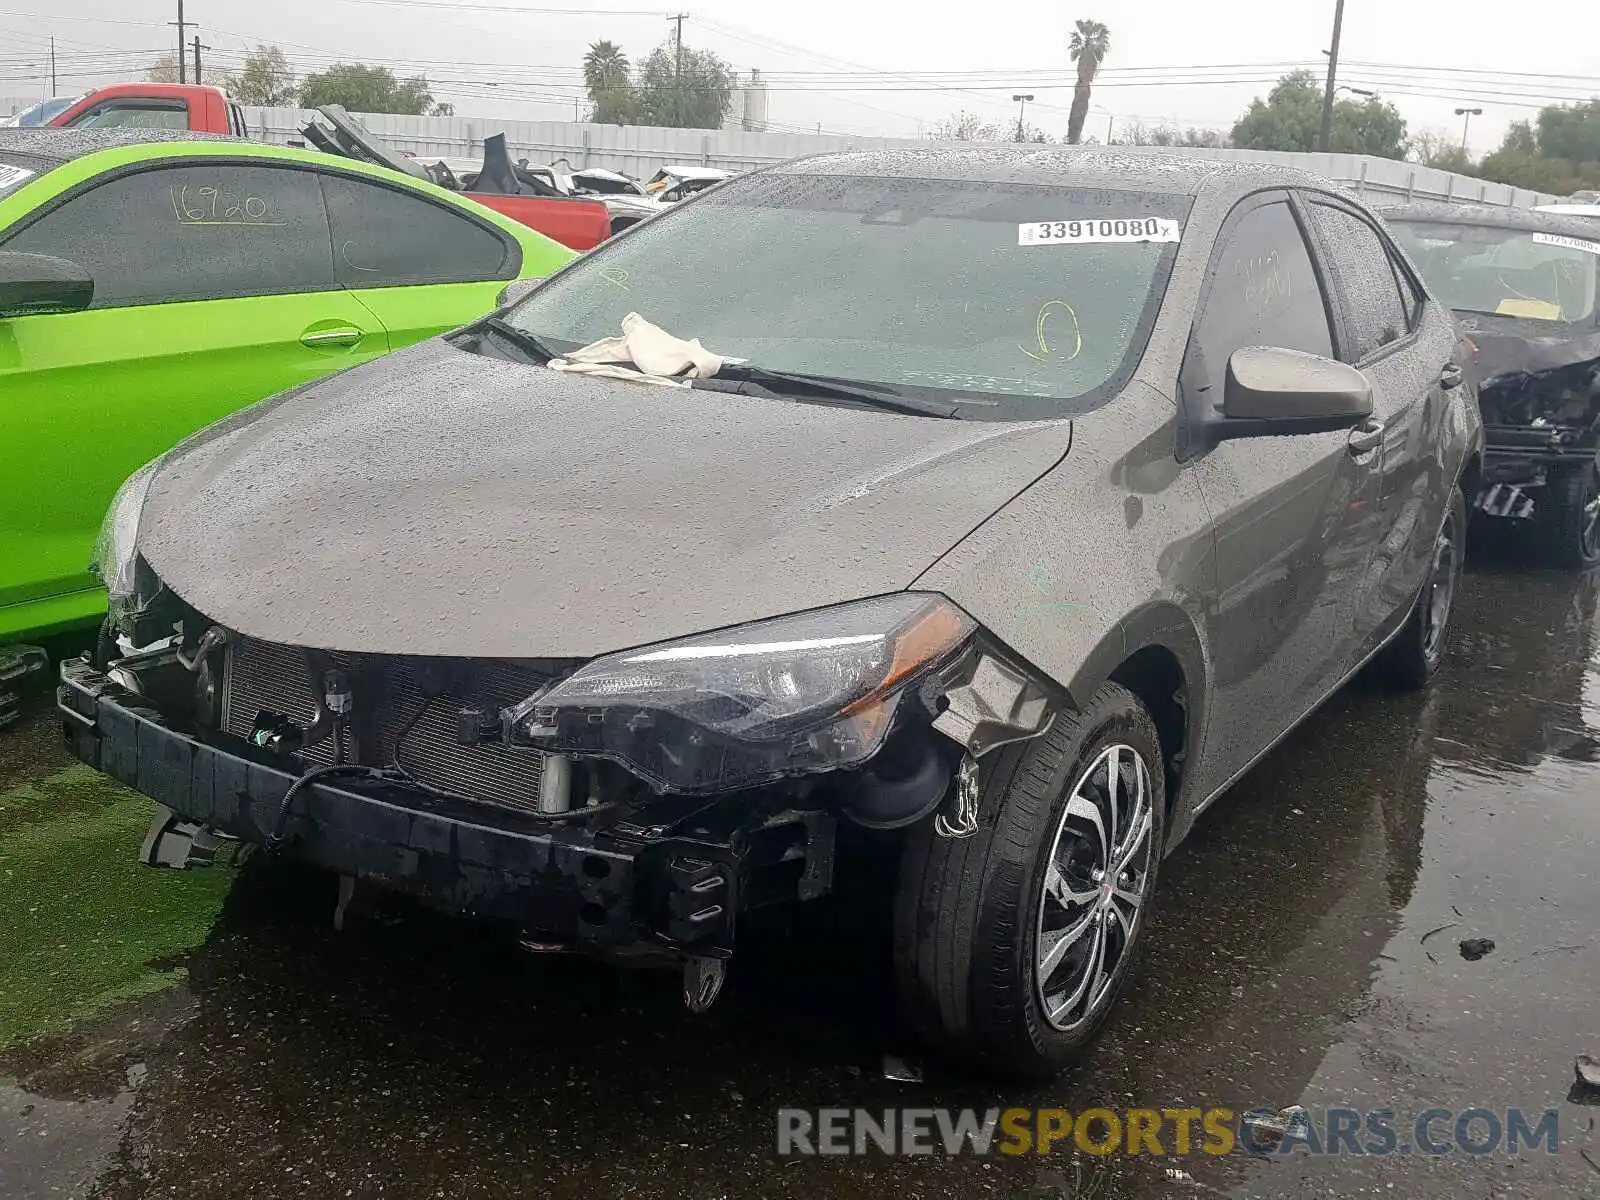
(1288, 511)
(214, 287)
(422, 265)
(1411, 363)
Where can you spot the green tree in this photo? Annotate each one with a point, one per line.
(1088, 46)
(608, 80)
(683, 88)
(1436, 150)
(1137, 134)
(1571, 132)
(164, 69)
(1558, 152)
(1289, 118)
(363, 88)
(965, 127)
(264, 79)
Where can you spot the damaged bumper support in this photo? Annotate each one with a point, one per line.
(569, 884)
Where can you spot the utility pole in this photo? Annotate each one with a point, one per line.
(54, 87)
(183, 44)
(1466, 115)
(1325, 133)
(1022, 107)
(197, 48)
(677, 65)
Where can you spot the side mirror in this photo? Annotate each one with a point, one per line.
(513, 292)
(42, 283)
(1271, 391)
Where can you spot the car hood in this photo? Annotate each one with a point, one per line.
(439, 502)
(1518, 346)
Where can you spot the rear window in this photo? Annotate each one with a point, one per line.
(1506, 272)
(1015, 300)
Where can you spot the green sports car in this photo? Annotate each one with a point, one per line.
(150, 286)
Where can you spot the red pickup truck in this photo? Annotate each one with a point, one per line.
(200, 108)
(192, 106)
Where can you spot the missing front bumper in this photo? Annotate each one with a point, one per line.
(589, 887)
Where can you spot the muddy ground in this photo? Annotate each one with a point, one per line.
(208, 1034)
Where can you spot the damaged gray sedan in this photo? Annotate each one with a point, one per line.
(1014, 504)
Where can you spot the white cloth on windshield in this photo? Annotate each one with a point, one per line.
(645, 353)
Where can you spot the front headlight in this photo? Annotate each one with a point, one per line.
(115, 551)
(813, 692)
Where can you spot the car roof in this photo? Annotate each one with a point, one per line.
(1492, 215)
(58, 146)
(1119, 169)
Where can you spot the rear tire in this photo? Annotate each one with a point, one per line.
(1567, 517)
(1410, 661)
(1001, 938)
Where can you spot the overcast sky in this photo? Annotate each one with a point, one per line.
(1435, 57)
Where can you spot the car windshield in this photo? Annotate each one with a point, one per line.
(1014, 301)
(1505, 272)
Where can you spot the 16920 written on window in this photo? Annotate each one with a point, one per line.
(203, 232)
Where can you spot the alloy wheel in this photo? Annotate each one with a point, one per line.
(1096, 878)
(1441, 591)
(1589, 520)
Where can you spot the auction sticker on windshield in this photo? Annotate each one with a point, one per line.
(11, 177)
(1100, 229)
(1544, 239)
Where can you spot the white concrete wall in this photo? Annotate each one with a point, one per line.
(641, 150)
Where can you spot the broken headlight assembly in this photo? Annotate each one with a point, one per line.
(817, 691)
(116, 559)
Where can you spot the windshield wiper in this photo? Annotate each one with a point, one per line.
(526, 344)
(795, 383)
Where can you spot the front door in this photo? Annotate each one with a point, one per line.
(1289, 512)
(213, 288)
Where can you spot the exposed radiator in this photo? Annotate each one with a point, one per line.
(263, 676)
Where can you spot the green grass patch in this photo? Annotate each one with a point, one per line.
(82, 921)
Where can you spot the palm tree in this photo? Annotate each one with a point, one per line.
(608, 78)
(1090, 42)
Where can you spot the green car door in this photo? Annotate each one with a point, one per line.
(218, 280)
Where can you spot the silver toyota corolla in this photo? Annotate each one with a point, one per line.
(1033, 496)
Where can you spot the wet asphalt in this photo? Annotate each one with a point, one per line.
(1306, 951)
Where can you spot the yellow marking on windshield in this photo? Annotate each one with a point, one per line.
(1047, 352)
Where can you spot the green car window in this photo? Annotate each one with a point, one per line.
(211, 230)
(385, 237)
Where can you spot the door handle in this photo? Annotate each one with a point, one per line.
(1365, 438)
(322, 339)
(1450, 377)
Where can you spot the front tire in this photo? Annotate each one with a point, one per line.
(1012, 945)
(1567, 515)
(1410, 661)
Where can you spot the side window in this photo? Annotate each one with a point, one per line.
(1263, 292)
(203, 232)
(385, 237)
(1375, 311)
(135, 114)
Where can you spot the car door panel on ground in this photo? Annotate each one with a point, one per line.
(1405, 351)
(1293, 514)
(157, 356)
